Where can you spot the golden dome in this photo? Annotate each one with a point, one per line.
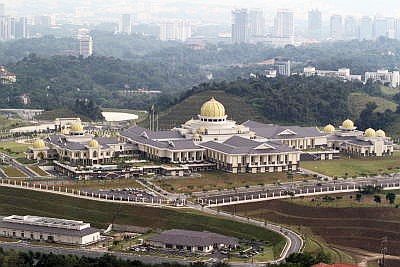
(370, 133)
(93, 144)
(380, 133)
(77, 127)
(212, 109)
(329, 128)
(348, 124)
(39, 144)
(64, 131)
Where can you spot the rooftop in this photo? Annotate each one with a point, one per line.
(193, 238)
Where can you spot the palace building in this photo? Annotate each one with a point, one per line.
(353, 142)
(211, 140)
(77, 147)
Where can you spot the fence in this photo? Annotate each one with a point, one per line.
(152, 201)
(247, 197)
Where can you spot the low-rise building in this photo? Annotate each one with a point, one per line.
(391, 78)
(193, 241)
(342, 74)
(49, 229)
(353, 142)
(7, 77)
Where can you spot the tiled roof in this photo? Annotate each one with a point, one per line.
(272, 131)
(193, 238)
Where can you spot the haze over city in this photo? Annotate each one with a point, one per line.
(172, 133)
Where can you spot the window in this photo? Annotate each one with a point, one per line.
(22, 234)
(14, 234)
(32, 237)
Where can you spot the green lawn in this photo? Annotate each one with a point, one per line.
(358, 101)
(13, 172)
(13, 149)
(101, 214)
(38, 170)
(354, 167)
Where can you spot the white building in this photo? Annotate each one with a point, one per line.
(342, 73)
(351, 141)
(125, 25)
(49, 229)
(179, 30)
(384, 77)
(86, 46)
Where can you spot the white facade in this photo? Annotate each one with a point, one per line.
(342, 73)
(179, 30)
(384, 76)
(86, 46)
(48, 229)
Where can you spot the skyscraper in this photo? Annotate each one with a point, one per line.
(2, 10)
(350, 28)
(256, 23)
(125, 24)
(284, 24)
(5, 29)
(86, 46)
(366, 28)
(336, 27)
(21, 28)
(315, 24)
(240, 27)
(380, 27)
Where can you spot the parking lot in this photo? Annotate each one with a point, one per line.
(125, 194)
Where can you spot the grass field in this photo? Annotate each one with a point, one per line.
(222, 180)
(359, 100)
(354, 167)
(9, 123)
(101, 214)
(354, 227)
(190, 107)
(13, 172)
(13, 149)
(38, 170)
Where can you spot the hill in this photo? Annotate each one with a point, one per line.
(358, 101)
(236, 108)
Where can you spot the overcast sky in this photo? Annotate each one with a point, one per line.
(208, 8)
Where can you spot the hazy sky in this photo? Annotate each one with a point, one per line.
(205, 8)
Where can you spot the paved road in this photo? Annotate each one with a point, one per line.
(229, 197)
(21, 167)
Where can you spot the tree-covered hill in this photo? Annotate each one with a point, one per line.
(294, 100)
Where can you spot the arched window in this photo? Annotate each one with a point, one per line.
(94, 154)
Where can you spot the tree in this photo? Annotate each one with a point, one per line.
(391, 197)
(377, 198)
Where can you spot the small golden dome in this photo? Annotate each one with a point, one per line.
(348, 124)
(329, 128)
(380, 133)
(212, 109)
(202, 130)
(77, 127)
(93, 144)
(370, 133)
(39, 144)
(64, 131)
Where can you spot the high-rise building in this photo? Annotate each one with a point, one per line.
(380, 27)
(240, 26)
(350, 27)
(125, 24)
(284, 24)
(315, 24)
(365, 31)
(336, 27)
(391, 28)
(397, 29)
(86, 46)
(43, 20)
(5, 28)
(256, 23)
(21, 28)
(179, 30)
(2, 10)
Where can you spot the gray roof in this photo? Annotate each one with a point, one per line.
(272, 131)
(137, 130)
(60, 141)
(193, 238)
(146, 137)
(48, 230)
(240, 145)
